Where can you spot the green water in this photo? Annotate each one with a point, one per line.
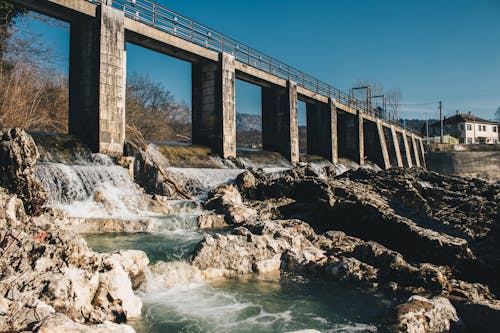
(269, 303)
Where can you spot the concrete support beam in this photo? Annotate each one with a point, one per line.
(415, 150)
(407, 149)
(383, 145)
(422, 150)
(97, 80)
(322, 130)
(214, 110)
(280, 131)
(395, 142)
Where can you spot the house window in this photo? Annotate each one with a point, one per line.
(494, 128)
(495, 141)
(484, 128)
(469, 140)
(479, 128)
(469, 127)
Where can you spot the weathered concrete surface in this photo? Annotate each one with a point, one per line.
(383, 144)
(409, 149)
(97, 81)
(422, 153)
(322, 130)
(403, 149)
(280, 131)
(415, 149)
(349, 132)
(66, 10)
(397, 147)
(214, 113)
(483, 164)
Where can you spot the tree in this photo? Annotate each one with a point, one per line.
(8, 12)
(497, 114)
(152, 110)
(393, 98)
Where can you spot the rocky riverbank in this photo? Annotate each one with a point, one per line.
(410, 232)
(418, 235)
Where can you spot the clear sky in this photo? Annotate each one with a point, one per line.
(445, 50)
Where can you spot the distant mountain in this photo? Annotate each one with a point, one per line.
(248, 122)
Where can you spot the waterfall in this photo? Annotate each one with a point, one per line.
(95, 187)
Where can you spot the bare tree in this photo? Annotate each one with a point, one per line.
(152, 110)
(497, 114)
(393, 97)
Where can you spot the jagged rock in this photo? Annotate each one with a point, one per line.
(226, 200)
(212, 221)
(47, 270)
(59, 323)
(134, 263)
(18, 155)
(424, 315)
(246, 180)
(351, 270)
(115, 285)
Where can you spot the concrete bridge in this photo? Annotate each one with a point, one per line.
(338, 124)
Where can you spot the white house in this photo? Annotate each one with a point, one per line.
(468, 129)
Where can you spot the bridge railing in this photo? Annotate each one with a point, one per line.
(164, 19)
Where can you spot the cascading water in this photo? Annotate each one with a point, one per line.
(176, 299)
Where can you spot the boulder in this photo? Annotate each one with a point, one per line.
(18, 155)
(212, 221)
(424, 315)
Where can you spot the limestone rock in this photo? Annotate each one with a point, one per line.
(424, 315)
(18, 155)
(212, 221)
(115, 294)
(59, 323)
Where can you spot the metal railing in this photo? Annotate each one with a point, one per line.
(168, 21)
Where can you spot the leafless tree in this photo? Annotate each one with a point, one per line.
(393, 97)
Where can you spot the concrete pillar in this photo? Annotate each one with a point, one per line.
(397, 148)
(322, 130)
(214, 109)
(415, 149)
(97, 80)
(383, 144)
(280, 131)
(407, 149)
(422, 150)
(350, 140)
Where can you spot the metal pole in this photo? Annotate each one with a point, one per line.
(441, 121)
(427, 125)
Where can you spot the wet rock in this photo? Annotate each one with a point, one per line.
(420, 314)
(134, 263)
(18, 155)
(59, 323)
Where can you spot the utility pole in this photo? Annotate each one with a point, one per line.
(427, 125)
(441, 120)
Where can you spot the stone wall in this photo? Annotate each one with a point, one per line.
(483, 164)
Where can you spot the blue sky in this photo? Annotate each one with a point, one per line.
(445, 50)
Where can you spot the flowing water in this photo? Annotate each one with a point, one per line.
(177, 299)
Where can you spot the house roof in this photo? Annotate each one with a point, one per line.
(464, 118)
